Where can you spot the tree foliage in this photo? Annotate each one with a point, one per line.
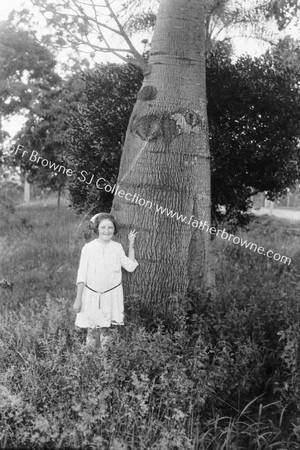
(46, 130)
(287, 55)
(253, 110)
(99, 132)
(26, 68)
(27, 71)
(284, 11)
(255, 18)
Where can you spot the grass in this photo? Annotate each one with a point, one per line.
(40, 248)
(232, 385)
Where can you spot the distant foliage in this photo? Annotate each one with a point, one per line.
(46, 129)
(26, 68)
(284, 11)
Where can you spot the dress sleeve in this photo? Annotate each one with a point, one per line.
(83, 266)
(127, 263)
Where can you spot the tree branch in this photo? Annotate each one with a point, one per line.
(139, 60)
(114, 51)
(95, 20)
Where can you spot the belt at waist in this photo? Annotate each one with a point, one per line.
(97, 292)
(104, 291)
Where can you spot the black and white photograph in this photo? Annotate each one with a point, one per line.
(150, 224)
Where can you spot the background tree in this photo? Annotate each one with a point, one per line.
(46, 129)
(257, 19)
(284, 11)
(27, 69)
(287, 55)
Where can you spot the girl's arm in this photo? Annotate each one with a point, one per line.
(131, 254)
(131, 238)
(78, 302)
(129, 262)
(81, 278)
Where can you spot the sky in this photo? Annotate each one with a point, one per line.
(7, 6)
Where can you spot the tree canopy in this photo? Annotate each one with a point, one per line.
(26, 69)
(46, 130)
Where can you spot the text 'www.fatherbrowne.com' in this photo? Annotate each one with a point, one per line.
(203, 225)
(102, 184)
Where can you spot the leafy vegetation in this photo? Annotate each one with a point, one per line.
(210, 375)
(98, 133)
(45, 133)
(27, 68)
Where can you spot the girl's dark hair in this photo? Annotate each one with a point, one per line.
(104, 216)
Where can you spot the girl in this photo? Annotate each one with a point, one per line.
(99, 301)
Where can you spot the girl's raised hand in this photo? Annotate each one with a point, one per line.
(132, 236)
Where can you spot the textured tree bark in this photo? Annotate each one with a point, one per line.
(165, 161)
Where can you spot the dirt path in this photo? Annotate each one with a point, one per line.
(289, 214)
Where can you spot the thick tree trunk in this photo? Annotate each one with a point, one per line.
(165, 161)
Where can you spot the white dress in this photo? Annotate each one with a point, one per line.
(100, 269)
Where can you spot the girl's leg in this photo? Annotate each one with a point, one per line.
(90, 342)
(92, 337)
(105, 335)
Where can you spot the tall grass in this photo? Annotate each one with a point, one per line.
(39, 253)
(224, 376)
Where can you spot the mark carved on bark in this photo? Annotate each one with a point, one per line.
(152, 126)
(168, 125)
(147, 128)
(147, 93)
(189, 121)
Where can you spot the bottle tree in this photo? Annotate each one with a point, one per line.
(165, 160)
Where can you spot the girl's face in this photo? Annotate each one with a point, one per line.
(106, 230)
